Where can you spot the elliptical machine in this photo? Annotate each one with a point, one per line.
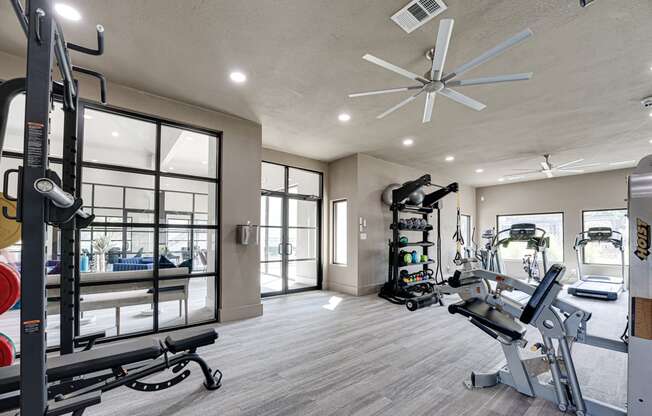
(535, 239)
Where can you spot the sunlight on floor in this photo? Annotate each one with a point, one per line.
(332, 303)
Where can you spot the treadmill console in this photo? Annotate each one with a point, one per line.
(522, 232)
(599, 233)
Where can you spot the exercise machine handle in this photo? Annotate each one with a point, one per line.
(97, 75)
(100, 44)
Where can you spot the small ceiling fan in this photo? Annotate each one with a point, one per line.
(435, 82)
(548, 168)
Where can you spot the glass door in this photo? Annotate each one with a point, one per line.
(271, 244)
(289, 230)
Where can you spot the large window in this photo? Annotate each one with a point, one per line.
(605, 253)
(340, 232)
(552, 223)
(465, 228)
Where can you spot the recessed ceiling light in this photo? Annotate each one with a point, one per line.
(115, 134)
(67, 12)
(344, 117)
(238, 77)
(94, 160)
(479, 170)
(171, 168)
(408, 142)
(501, 179)
(650, 113)
(650, 141)
(449, 158)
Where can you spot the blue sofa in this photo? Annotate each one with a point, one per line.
(133, 263)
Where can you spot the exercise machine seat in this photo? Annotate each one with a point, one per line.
(489, 317)
(86, 362)
(185, 342)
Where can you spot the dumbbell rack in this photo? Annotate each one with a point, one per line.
(395, 290)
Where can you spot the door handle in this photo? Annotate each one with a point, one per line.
(291, 249)
(280, 248)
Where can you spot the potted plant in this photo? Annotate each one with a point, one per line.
(101, 246)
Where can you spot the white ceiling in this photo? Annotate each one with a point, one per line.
(591, 69)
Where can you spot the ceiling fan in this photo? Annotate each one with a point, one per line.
(548, 168)
(436, 82)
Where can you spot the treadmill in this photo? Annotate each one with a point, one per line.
(596, 286)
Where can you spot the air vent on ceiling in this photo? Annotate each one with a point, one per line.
(417, 13)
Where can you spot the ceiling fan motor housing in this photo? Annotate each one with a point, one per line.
(646, 103)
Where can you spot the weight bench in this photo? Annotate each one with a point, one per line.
(84, 374)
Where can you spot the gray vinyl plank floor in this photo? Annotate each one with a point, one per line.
(310, 356)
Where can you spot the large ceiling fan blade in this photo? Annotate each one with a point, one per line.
(549, 173)
(462, 99)
(427, 110)
(571, 170)
(399, 105)
(490, 54)
(586, 165)
(441, 48)
(388, 91)
(491, 80)
(393, 68)
(563, 165)
(545, 165)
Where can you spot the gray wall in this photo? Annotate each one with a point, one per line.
(570, 195)
(240, 284)
(343, 185)
(361, 179)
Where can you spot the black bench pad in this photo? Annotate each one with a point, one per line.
(187, 341)
(86, 362)
(488, 316)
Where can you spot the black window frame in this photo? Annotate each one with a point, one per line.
(334, 239)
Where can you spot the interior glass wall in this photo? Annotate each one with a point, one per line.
(150, 258)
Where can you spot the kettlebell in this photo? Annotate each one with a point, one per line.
(415, 257)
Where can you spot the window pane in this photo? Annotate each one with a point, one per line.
(303, 182)
(188, 152)
(339, 232)
(106, 192)
(303, 243)
(116, 249)
(302, 213)
(118, 308)
(553, 224)
(605, 252)
(189, 250)
(118, 140)
(16, 126)
(194, 200)
(271, 211)
(465, 228)
(272, 177)
(186, 300)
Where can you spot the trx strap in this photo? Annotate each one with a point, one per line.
(457, 237)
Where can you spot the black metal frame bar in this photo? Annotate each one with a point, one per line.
(40, 58)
